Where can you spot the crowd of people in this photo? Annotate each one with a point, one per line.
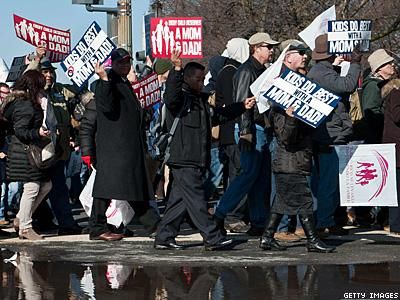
(275, 170)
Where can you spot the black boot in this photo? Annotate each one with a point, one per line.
(220, 224)
(267, 241)
(314, 244)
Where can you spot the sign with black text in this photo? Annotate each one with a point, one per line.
(148, 91)
(311, 103)
(93, 47)
(344, 35)
(18, 67)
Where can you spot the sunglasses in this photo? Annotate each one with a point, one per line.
(267, 46)
(300, 52)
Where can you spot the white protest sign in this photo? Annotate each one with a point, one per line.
(117, 213)
(318, 26)
(344, 35)
(93, 47)
(311, 103)
(3, 70)
(265, 81)
(367, 175)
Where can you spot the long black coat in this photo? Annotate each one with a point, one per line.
(25, 120)
(120, 144)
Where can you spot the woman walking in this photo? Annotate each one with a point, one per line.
(25, 115)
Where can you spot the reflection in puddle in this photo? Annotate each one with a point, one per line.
(24, 278)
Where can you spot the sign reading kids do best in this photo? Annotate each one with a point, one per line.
(311, 103)
(344, 35)
(93, 47)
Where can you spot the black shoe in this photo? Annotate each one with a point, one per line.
(268, 243)
(319, 246)
(222, 244)
(255, 231)
(168, 246)
(76, 229)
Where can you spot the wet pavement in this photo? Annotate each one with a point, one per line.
(72, 267)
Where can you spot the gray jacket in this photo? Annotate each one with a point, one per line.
(337, 127)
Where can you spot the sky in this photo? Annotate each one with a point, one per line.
(60, 14)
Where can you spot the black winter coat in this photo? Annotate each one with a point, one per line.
(120, 143)
(245, 75)
(224, 96)
(26, 120)
(191, 144)
(293, 154)
(87, 130)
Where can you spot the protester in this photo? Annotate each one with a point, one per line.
(120, 175)
(23, 110)
(382, 69)
(255, 136)
(190, 154)
(57, 102)
(336, 129)
(291, 165)
(391, 134)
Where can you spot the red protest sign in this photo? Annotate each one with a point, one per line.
(148, 90)
(176, 33)
(56, 41)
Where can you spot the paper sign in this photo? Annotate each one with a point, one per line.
(56, 41)
(344, 35)
(367, 175)
(18, 67)
(317, 27)
(148, 90)
(176, 33)
(311, 103)
(94, 46)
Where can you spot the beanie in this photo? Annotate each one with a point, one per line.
(162, 65)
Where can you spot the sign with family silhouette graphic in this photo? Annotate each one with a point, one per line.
(184, 34)
(148, 91)
(367, 175)
(56, 41)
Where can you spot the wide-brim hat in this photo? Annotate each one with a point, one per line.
(320, 51)
(262, 37)
(45, 64)
(379, 58)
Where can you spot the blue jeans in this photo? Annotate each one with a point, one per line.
(14, 191)
(328, 189)
(59, 196)
(215, 173)
(253, 181)
(4, 202)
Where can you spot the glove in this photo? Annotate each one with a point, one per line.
(246, 143)
(356, 55)
(88, 160)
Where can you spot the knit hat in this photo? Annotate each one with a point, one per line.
(162, 65)
(320, 51)
(379, 58)
(262, 37)
(237, 49)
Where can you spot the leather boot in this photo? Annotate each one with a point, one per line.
(29, 234)
(267, 241)
(314, 244)
(220, 224)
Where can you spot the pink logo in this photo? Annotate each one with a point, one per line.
(367, 173)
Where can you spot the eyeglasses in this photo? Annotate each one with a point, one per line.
(267, 46)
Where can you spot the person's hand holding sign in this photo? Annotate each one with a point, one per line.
(249, 102)
(289, 111)
(40, 52)
(176, 59)
(101, 72)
